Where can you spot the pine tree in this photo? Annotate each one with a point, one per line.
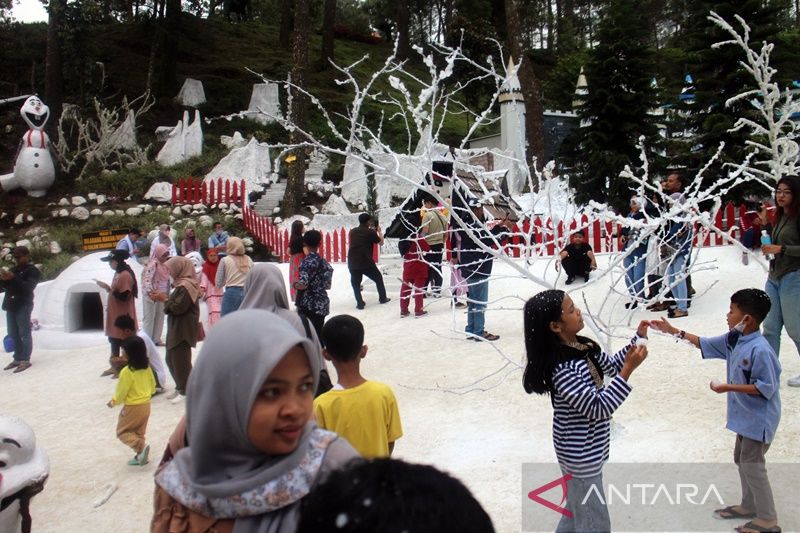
(719, 76)
(615, 113)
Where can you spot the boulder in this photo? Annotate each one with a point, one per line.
(92, 196)
(55, 248)
(29, 218)
(19, 219)
(134, 211)
(23, 242)
(176, 211)
(101, 199)
(78, 200)
(96, 212)
(64, 202)
(237, 141)
(108, 213)
(206, 221)
(63, 213)
(80, 213)
(251, 162)
(159, 192)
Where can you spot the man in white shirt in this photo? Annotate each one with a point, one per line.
(128, 242)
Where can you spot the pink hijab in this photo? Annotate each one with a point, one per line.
(161, 273)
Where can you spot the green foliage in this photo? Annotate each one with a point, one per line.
(619, 75)
(559, 87)
(719, 76)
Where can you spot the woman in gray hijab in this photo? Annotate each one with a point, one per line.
(254, 451)
(265, 288)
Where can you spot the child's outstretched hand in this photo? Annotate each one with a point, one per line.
(642, 329)
(717, 386)
(663, 326)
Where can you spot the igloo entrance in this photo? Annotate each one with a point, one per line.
(83, 309)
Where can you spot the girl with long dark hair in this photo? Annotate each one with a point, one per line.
(571, 369)
(296, 255)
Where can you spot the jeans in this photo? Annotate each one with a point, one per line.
(591, 516)
(785, 311)
(372, 273)
(680, 292)
(634, 274)
(19, 329)
(231, 300)
(478, 296)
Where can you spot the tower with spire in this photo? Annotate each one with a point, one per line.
(512, 127)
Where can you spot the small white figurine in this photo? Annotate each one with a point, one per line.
(24, 468)
(34, 170)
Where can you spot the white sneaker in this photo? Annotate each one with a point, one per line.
(171, 394)
(177, 399)
(794, 382)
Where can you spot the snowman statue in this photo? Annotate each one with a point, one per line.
(34, 170)
(24, 468)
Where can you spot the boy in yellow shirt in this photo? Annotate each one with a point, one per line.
(135, 388)
(362, 411)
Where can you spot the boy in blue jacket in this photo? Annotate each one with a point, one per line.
(754, 405)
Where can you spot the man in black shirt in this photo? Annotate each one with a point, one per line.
(359, 258)
(577, 258)
(18, 284)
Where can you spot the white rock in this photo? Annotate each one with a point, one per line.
(313, 209)
(108, 213)
(276, 210)
(265, 103)
(147, 208)
(134, 211)
(29, 218)
(251, 162)
(19, 219)
(191, 93)
(248, 249)
(119, 212)
(96, 212)
(64, 202)
(101, 199)
(92, 196)
(206, 221)
(4, 252)
(78, 200)
(186, 208)
(247, 241)
(80, 213)
(23, 242)
(159, 192)
(4, 215)
(199, 207)
(277, 220)
(63, 213)
(176, 211)
(237, 141)
(235, 208)
(228, 218)
(239, 217)
(55, 248)
(54, 213)
(223, 206)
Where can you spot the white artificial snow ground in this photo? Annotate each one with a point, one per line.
(482, 436)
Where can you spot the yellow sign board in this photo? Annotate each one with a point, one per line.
(106, 239)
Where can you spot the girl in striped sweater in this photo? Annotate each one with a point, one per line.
(571, 369)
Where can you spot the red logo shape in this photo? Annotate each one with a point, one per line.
(560, 482)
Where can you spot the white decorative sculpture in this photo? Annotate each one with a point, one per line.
(24, 468)
(184, 141)
(251, 162)
(34, 169)
(191, 93)
(264, 103)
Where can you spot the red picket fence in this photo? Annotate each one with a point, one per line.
(537, 237)
(196, 191)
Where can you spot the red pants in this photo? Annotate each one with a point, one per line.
(413, 284)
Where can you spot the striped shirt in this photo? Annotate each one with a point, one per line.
(582, 412)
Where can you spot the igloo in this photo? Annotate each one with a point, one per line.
(73, 302)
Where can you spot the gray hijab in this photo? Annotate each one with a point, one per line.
(237, 356)
(264, 288)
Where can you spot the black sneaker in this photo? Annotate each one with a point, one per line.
(360, 306)
(385, 300)
(569, 281)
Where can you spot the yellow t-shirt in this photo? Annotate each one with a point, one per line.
(135, 387)
(367, 416)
